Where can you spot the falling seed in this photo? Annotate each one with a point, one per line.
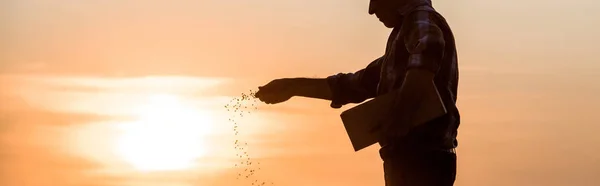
(241, 105)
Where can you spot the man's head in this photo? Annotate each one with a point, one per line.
(390, 12)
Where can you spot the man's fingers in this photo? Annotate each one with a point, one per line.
(270, 98)
(264, 97)
(258, 94)
(261, 92)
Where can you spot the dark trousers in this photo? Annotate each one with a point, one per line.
(432, 168)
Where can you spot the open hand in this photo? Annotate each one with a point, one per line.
(276, 91)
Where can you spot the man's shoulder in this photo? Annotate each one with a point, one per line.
(424, 15)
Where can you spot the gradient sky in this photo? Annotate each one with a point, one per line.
(73, 74)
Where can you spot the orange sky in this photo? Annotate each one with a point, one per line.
(78, 78)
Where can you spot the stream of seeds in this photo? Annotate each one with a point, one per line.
(248, 168)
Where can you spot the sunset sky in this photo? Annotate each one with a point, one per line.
(132, 92)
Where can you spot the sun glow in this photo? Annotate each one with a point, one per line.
(167, 135)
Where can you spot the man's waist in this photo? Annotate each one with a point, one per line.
(416, 148)
(417, 144)
(388, 151)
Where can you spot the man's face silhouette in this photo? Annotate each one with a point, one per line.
(386, 11)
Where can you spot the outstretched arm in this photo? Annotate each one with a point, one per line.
(342, 88)
(313, 88)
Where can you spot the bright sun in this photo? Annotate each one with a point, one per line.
(167, 135)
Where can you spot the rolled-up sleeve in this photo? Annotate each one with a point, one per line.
(424, 41)
(355, 87)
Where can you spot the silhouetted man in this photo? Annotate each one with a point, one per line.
(420, 49)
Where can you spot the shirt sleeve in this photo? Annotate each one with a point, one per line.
(424, 41)
(355, 87)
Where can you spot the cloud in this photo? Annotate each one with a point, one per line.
(30, 155)
(15, 110)
(29, 165)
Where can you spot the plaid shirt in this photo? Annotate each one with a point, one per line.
(423, 41)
